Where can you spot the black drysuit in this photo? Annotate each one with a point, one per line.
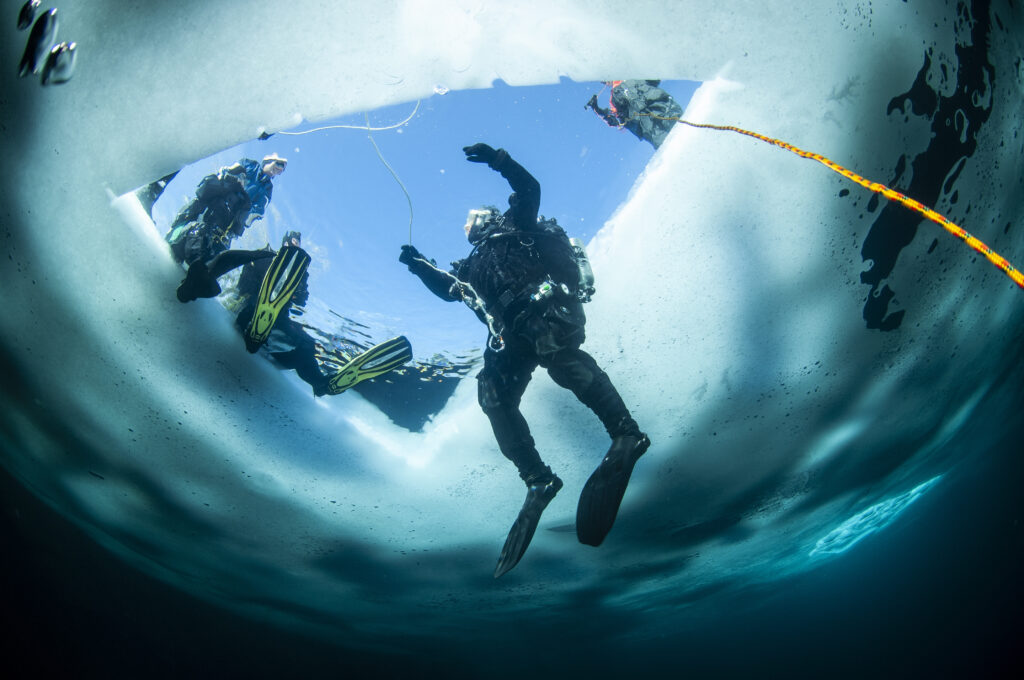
(297, 349)
(206, 226)
(511, 258)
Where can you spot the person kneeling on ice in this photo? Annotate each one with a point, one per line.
(641, 107)
(526, 280)
(270, 283)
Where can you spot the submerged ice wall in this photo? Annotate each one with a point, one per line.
(797, 349)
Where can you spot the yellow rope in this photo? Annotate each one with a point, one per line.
(882, 189)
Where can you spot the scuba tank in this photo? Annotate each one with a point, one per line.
(585, 290)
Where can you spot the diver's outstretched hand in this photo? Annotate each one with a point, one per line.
(409, 254)
(592, 103)
(480, 153)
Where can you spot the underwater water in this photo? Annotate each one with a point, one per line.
(831, 383)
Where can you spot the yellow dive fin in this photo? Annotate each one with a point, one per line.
(280, 283)
(377, 360)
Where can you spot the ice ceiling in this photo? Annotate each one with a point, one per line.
(798, 351)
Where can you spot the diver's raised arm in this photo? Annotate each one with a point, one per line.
(525, 201)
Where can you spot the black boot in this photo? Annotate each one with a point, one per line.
(602, 495)
(321, 387)
(538, 494)
(198, 283)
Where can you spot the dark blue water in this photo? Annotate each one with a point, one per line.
(937, 594)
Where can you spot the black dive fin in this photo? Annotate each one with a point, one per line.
(280, 283)
(198, 283)
(519, 536)
(602, 495)
(377, 360)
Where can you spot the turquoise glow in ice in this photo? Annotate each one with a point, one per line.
(865, 523)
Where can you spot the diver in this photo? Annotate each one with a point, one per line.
(258, 180)
(210, 221)
(226, 204)
(288, 344)
(641, 107)
(523, 280)
(269, 285)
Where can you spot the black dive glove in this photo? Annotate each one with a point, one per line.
(409, 255)
(592, 104)
(480, 153)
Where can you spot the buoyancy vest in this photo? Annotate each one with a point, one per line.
(510, 264)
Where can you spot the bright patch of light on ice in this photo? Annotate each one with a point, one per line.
(875, 518)
(387, 442)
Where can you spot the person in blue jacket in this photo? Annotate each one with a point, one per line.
(258, 180)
